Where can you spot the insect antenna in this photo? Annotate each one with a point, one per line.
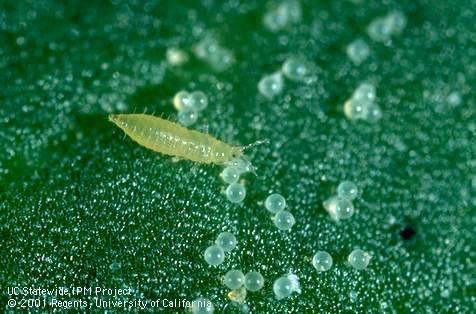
(252, 168)
(254, 144)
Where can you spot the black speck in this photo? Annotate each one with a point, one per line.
(407, 233)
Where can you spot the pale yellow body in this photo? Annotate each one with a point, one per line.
(174, 140)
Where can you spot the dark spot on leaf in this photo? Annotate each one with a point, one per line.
(407, 233)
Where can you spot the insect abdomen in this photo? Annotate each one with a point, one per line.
(171, 139)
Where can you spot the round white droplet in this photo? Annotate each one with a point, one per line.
(271, 85)
(254, 281)
(198, 100)
(284, 220)
(359, 259)
(339, 208)
(358, 51)
(182, 100)
(234, 279)
(230, 174)
(202, 306)
(176, 56)
(353, 110)
(396, 21)
(343, 208)
(347, 190)
(187, 117)
(379, 30)
(282, 287)
(214, 255)
(242, 164)
(364, 93)
(275, 203)
(235, 193)
(322, 261)
(227, 241)
(295, 69)
(221, 59)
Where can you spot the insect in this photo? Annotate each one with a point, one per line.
(172, 139)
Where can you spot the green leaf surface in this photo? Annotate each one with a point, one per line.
(83, 205)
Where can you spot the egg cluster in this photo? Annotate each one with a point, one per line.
(357, 259)
(383, 28)
(236, 192)
(234, 279)
(189, 105)
(283, 15)
(362, 105)
(239, 284)
(340, 206)
(214, 255)
(282, 219)
(218, 57)
(294, 69)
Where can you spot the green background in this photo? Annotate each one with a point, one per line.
(81, 205)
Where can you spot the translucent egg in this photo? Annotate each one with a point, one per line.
(242, 163)
(271, 85)
(234, 279)
(359, 259)
(214, 255)
(362, 104)
(454, 98)
(202, 306)
(206, 47)
(198, 100)
(358, 51)
(182, 100)
(397, 21)
(221, 59)
(379, 29)
(354, 110)
(226, 241)
(372, 112)
(343, 208)
(235, 193)
(364, 93)
(295, 69)
(275, 21)
(339, 208)
(282, 287)
(288, 12)
(230, 174)
(347, 190)
(211, 52)
(292, 9)
(322, 261)
(284, 220)
(275, 203)
(187, 117)
(254, 281)
(176, 56)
